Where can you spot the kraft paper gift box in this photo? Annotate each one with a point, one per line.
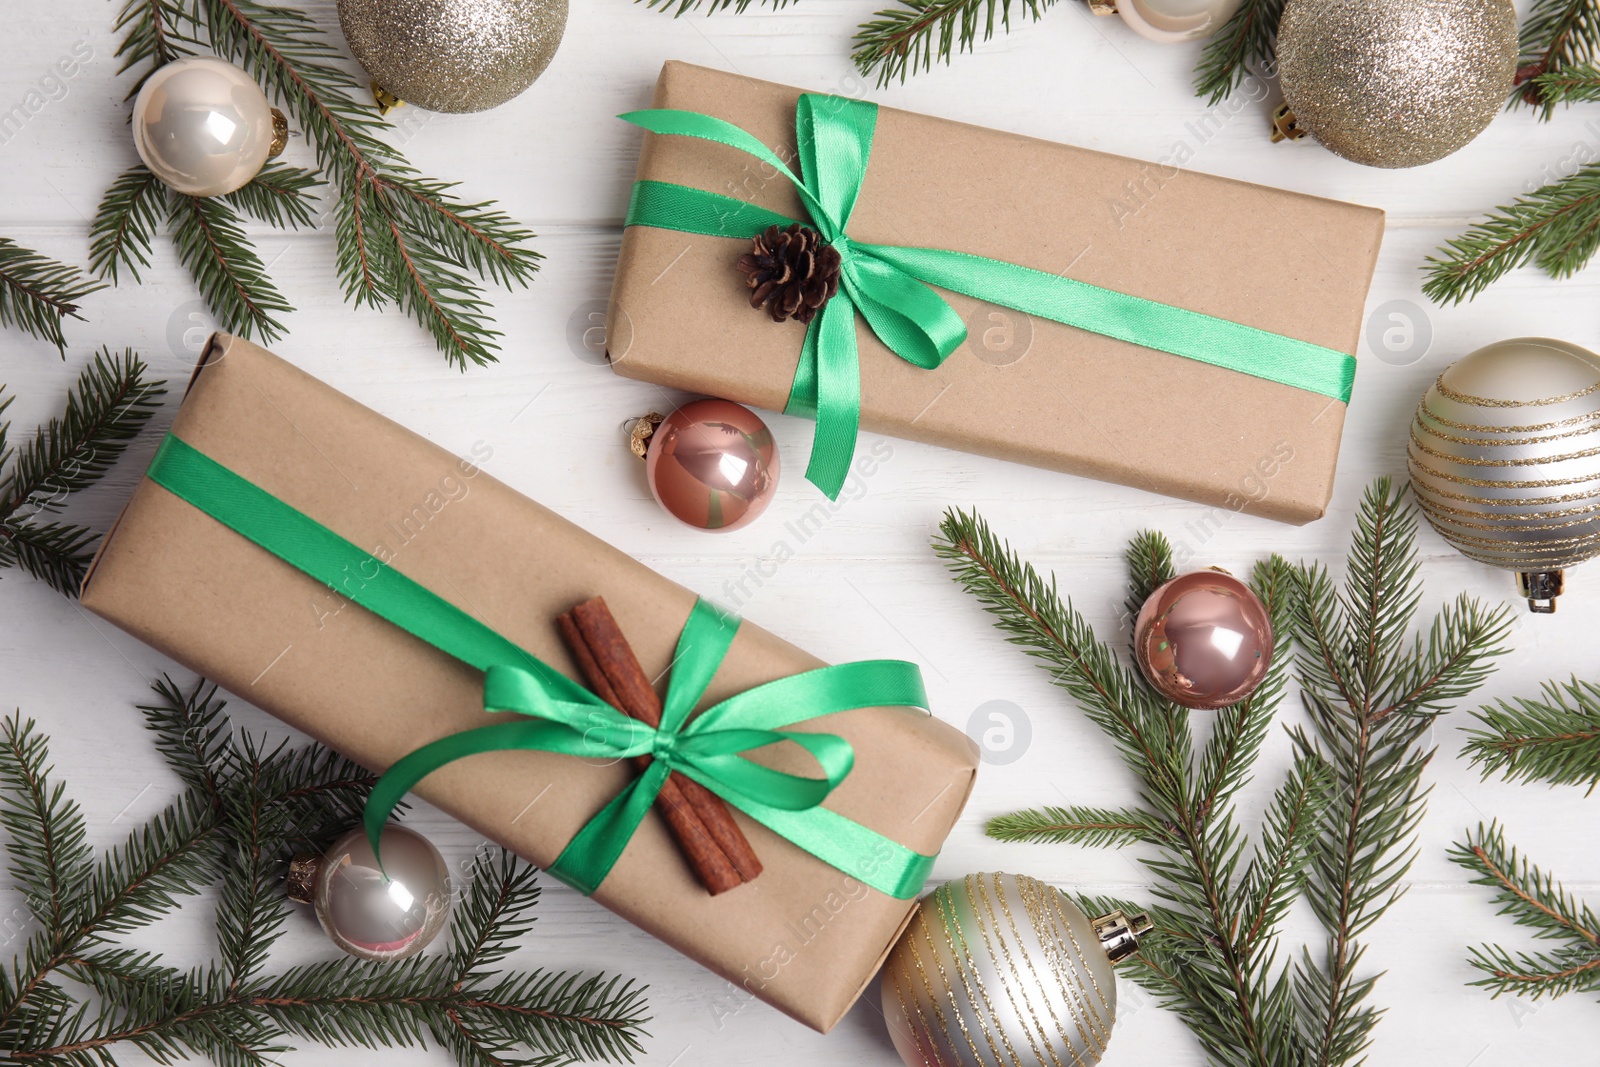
(803, 936)
(1021, 388)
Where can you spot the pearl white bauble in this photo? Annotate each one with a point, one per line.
(203, 126)
(1172, 21)
(387, 914)
(1504, 458)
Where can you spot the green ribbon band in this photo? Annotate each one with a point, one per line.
(546, 711)
(889, 285)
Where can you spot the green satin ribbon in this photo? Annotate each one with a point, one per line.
(546, 711)
(889, 285)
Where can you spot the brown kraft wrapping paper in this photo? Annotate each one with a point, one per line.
(1042, 394)
(803, 936)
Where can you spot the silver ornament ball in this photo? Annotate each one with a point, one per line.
(1171, 21)
(453, 55)
(1504, 458)
(1002, 969)
(1396, 85)
(387, 914)
(204, 127)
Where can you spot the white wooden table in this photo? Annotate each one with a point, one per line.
(557, 159)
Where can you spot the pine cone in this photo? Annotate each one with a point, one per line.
(792, 272)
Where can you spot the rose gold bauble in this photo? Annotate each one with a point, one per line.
(713, 464)
(1204, 640)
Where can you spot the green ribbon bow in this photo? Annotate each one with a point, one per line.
(548, 712)
(889, 285)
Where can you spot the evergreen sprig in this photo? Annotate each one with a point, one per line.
(1557, 40)
(74, 996)
(1248, 39)
(401, 238)
(910, 37)
(1554, 739)
(37, 293)
(1556, 227)
(1533, 899)
(105, 410)
(1339, 830)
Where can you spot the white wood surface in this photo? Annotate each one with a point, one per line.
(557, 159)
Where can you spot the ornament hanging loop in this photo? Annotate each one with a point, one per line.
(1541, 588)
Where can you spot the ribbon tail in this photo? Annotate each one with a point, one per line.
(590, 855)
(827, 384)
(865, 855)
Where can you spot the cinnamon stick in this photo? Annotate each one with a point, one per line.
(711, 841)
(638, 699)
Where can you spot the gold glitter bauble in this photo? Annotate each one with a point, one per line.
(1396, 85)
(453, 55)
(1001, 970)
(1505, 459)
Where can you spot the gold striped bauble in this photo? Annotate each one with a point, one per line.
(1505, 459)
(1002, 970)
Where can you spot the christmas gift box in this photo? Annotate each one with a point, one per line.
(380, 594)
(1123, 320)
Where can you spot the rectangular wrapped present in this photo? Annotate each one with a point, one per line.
(1260, 290)
(803, 936)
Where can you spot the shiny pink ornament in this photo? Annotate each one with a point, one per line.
(1204, 640)
(713, 464)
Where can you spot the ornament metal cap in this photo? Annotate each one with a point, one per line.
(1284, 125)
(1119, 933)
(385, 100)
(302, 879)
(640, 429)
(280, 134)
(1541, 588)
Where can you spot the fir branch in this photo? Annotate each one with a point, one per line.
(1092, 827)
(1576, 83)
(212, 244)
(1340, 829)
(154, 32)
(126, 222)
(400, 237)
(1555, 739)
(903, 40)
(1556, 37)
(106, 409)
(1535, 900)
(55, 553)
(279, 196)
(37, 293)
(1370, 696)
(251, 803)
(1249, 38)
(1556, 227)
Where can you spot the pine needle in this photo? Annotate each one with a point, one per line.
(106, 409)
(245, 809)
(400, 237)
(1535, 900)
(1339, 830)
(1555, 227)
(1249, 38)
(1555, 739)
(1558, 38)
(903, 40)
(37, 293)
